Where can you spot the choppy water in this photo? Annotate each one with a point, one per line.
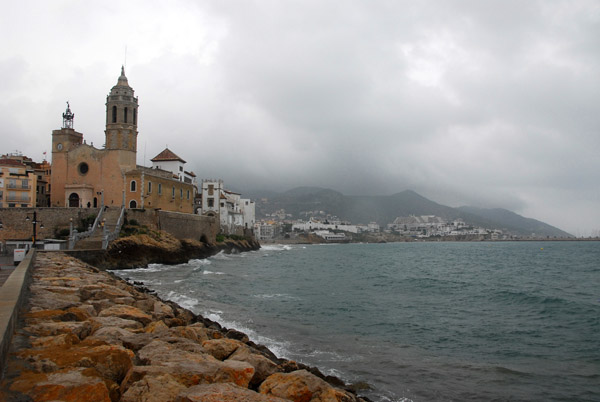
(417, 321)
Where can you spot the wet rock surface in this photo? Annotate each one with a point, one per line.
(89, 336)
(158, 247)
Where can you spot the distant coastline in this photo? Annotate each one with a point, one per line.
(400, 239)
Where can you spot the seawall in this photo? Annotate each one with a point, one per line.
(12, 298)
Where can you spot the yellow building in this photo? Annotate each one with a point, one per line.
(82, 175)
(41, 171)
(18, 183)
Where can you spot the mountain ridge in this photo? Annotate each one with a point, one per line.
(303, 201)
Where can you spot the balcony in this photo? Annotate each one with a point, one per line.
(12, 186)
(18, 198)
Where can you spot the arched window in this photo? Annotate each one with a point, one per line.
(125, 115)
(134, 116)
(132, 204)
(114, 114)
(132, 185)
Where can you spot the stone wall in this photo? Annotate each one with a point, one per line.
(186, 226)
(145, 217)
(16, 227)
(180, 225)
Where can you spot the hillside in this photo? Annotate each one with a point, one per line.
(301, 202)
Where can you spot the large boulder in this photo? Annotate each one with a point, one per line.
(111, 335)
(155, 387)
(62, 340)
(127, 312)
(102, 291)
(221, 349)
(81, 329)
(223, 393)
(77, 384)
(111, 361)
(188, 362)
(114, 321)
(161, 310)
(44, 299)
(263, 367)
(302, 386)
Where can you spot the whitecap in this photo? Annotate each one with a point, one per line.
(276, 247)
(207, 272)
(272, 296)
(204, 261)
(183, 300)
(220, 256)
(279, 348)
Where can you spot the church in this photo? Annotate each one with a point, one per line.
(87, 177)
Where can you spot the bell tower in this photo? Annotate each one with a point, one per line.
(121, 119)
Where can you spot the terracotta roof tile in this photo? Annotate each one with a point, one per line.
(167, 155)
(11, 162)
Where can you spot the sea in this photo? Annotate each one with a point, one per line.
(420, 321)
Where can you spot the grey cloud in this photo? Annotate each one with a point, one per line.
(489, 103)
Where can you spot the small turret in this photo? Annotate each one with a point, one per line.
(68, 117)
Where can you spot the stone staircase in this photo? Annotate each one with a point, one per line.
(110, 218)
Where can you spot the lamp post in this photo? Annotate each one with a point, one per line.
(34, 222)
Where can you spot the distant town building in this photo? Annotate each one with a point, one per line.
(331, 237)
(314, 224)
(266, 230)
(432, 226)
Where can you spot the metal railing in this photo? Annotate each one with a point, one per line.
(110, 236)
(75, 236)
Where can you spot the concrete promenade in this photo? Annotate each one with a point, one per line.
(6, 268)
(12, 296)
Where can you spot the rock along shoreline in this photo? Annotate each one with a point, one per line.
(158, 248)
(89, 335)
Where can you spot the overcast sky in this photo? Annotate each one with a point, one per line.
(485, 103)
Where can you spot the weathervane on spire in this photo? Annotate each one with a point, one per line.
(68, 117)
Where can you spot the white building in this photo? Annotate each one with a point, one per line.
(168, 161)
(430, 225)
(314, 224)
(265, 230)
(331, 237)
(248, 213)
(234, 212)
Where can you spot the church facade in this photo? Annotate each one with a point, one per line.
(84, 176)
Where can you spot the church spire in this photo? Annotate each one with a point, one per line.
(123, 79)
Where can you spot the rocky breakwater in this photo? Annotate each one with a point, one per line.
(159, 247)
(89, 336)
